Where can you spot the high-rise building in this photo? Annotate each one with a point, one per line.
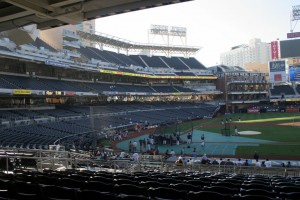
(60, 37)
(255, 52)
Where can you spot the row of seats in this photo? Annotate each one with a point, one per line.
(282, 90)
(178, 63)
(146, 185)
(21, 82)
(79, 132)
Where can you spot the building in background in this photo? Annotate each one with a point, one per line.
(56, 37)
(256, 52)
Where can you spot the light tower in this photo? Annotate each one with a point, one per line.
(295, 16)
(168, 34)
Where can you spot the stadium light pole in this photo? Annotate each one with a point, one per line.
(295, 16)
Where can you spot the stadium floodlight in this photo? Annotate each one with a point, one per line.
(296, 13)
(159, 29)
(295, 16)
(177, 31)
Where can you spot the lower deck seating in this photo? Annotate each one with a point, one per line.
(76, 185)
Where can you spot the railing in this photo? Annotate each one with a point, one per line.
(39, 160)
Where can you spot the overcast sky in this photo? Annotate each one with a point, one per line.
(215, 25)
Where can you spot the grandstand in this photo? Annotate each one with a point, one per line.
(65, 110)
(73, 126)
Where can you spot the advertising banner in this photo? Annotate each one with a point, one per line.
(277, 71)
(22, 92)
(253, 110)
(292, 110)
(294, 73)
(293, 35)
(274, 50)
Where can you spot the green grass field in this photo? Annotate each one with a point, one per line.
(287, 136)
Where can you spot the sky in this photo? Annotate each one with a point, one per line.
(214, 25)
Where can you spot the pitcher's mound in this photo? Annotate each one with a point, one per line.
(249, 133)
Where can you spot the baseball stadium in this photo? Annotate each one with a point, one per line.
(88, 115)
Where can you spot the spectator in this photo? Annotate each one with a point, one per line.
(189, 139)
(257, 163)
(164, 140)
(135, 156)
(130, 147)
(203, 144)
(172, 152)
(288, 164)
(179, 161)
(239, 162)
(151, 151)
(246, 163)
(134, 145)
(204, 159)
(182, 151)
(268, 163)
(229, 162)
(194, 154)
(220, 161)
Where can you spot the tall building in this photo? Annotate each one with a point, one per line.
(60, 37)
(256, 51)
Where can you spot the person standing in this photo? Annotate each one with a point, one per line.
(135, 156)
(134, 145)
(236, 130)
(202, 137)
(268, 163)
(256, 156)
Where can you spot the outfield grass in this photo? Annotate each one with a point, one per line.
(286, 136)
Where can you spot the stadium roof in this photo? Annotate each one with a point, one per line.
(52, 13)
(126, 45)
(224, 68)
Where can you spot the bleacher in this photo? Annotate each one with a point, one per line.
(193, 63)
(298, 89)
(82, 185)
(47, 84)
(153, 61)
(74, 122)
(184, 73)
(164, 89)
(42, 44)
(137, 60)
(279, 90)
(175, 62)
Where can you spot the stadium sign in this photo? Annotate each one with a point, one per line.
(50, 93)
(294, 61)
(274, 50)
(56, 63)
(153, 76)
(277, 66)
(293, 35)
(22, 92)
(253, 110)
(277, 71)
(294, 72)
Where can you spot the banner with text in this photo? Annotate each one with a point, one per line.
(294, 72)
(274, 50)
(277, 71)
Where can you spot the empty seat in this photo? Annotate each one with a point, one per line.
(207, 195)
(166, 193)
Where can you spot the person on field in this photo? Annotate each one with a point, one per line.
(256, 156)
